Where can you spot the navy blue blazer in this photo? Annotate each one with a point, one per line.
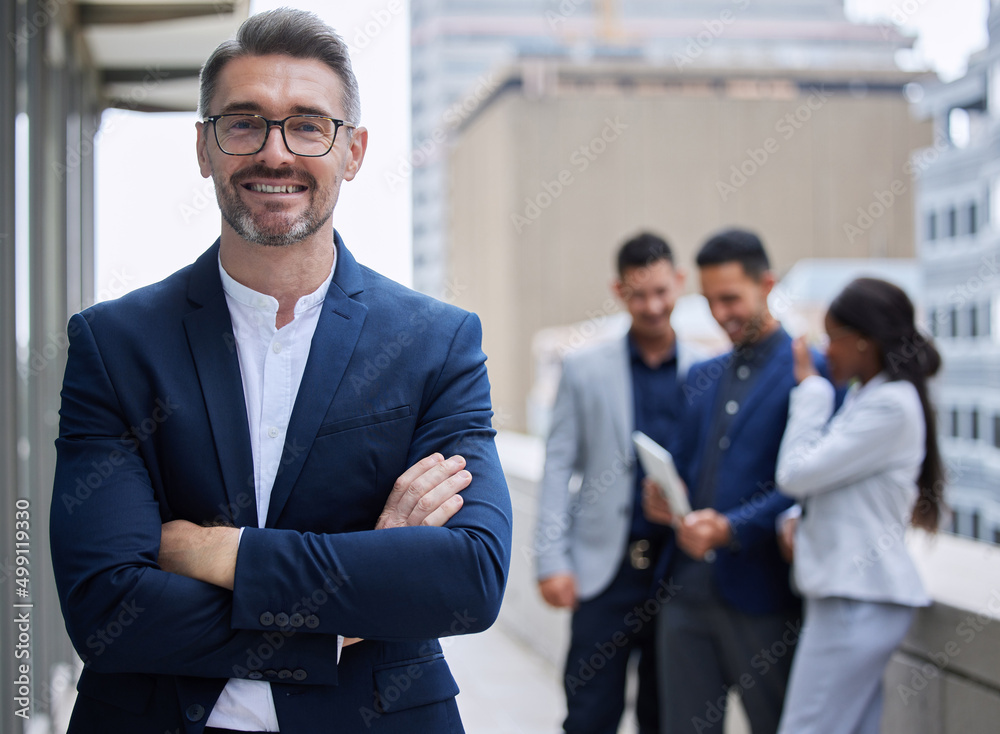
(754, 578)
(154, 428)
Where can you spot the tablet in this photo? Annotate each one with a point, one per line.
(659, 466)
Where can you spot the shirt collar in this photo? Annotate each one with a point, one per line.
(269, 304)
(635, 356)
(760, 352)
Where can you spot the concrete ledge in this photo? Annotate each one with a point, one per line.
(945, 678)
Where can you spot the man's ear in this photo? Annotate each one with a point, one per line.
(767, 281)
(201, 148)
(618, 288)
(356, 153)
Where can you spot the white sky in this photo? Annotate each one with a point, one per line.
(156, 214)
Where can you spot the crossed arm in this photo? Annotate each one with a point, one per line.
(426, 494)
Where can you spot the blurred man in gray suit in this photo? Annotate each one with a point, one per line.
(595, 550)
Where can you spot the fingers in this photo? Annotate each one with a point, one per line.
(559, 591)
(426, 493)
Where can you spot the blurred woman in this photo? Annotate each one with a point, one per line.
(860, 478)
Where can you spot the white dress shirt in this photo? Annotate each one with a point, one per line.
(855, 478)
(272, 362)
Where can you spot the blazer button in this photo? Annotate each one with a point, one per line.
(267, 619)
(312, 621)
(270, 673)
(299, 674)
(255, 675)
(195, 712)
(281, 619)
(284, 674)
(296, 620)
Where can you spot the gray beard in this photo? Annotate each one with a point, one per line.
(241, 219)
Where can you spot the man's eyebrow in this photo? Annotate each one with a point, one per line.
(256, 108)
(252, 107)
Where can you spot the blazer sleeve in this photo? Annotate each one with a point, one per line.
(817, 457)
(562, 459)
(402, 583)
(123, 613)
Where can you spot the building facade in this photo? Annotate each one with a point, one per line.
(958, 202)
(460, 46)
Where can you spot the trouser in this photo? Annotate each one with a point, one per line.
(836, 683)
(606, 631)
(705, 649)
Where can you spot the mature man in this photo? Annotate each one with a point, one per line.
(734, 622)
(232, 437)
(595, 549)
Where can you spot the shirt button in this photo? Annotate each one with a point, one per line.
(732, 407)
(267, 619)
(743, 372)
(195, 712)
(724, 443)
(296, 620)
(276, 347)
(255, 675)
(312, 621)
(284, 674)
(299, 674)
(281, 619)
(272, 432)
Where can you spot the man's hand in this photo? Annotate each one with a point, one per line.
(702, 531)
(559, 591)
(426, 493)
(654, 505)
(804, 365)
(786, 538)
(205, 554)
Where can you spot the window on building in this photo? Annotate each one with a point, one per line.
(932, 227)
(975, 524)
(955, 428)
(973, 321)
(952, 222)
(974, 420)
(954, 323)
(973, 218)
(996, 431)
(933, 315)
(987, 325)
(996, 535)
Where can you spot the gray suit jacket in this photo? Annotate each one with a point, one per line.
(855, 478)
(585, 532)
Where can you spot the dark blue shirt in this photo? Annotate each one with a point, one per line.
(657, 405)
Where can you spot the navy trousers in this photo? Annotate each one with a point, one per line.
(606, 632)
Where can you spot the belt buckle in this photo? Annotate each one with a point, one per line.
(637, 551)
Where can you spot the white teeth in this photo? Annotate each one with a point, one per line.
(265, 189)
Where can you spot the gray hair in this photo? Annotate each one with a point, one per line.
(288, 32)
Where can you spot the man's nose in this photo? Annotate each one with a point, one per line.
(275, 152)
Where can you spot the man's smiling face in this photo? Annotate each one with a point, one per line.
(273, 197)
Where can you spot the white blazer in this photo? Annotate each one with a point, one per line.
(855, 477)
(586, 532)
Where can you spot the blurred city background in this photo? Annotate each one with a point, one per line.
(514, 145)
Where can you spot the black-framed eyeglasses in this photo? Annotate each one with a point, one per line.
(304, 135)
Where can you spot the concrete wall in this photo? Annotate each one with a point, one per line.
(945, 679)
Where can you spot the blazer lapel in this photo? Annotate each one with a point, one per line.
(332, 347)
(620, 393)
(213, 347)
